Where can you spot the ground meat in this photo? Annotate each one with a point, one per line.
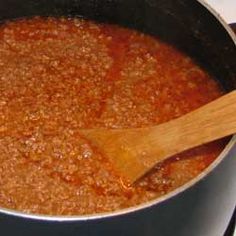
(60, 75)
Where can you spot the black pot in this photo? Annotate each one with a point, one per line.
(204, 206)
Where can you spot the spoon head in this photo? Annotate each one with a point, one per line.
(120, 148)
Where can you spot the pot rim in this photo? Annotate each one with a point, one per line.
(159, 200)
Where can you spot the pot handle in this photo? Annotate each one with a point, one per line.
(233, 27)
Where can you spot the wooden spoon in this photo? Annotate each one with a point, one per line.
(135, 151)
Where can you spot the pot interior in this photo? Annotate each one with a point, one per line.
(185, 24)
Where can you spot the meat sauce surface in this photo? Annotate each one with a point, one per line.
(60, 75)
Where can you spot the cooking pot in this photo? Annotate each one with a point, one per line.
(202, 207)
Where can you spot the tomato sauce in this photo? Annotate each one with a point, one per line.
(60, 75)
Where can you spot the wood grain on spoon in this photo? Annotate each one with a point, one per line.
(135, 151)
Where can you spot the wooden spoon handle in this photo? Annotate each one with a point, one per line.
(135, 151)
(208, 123)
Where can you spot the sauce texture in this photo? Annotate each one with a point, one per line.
(60, 75)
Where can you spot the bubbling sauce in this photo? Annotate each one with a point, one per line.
(59, 75)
